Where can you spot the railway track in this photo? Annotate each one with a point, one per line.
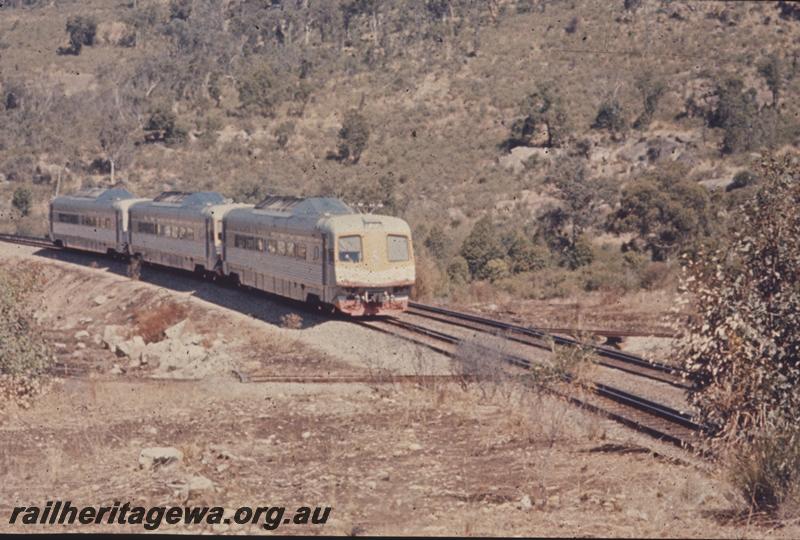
(644, 415)
(35, 241)
(534, 337)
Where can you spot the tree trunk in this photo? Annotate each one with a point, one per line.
(112, 171)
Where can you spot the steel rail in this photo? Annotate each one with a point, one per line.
(639, 404)
(559, 340)
(642, 370)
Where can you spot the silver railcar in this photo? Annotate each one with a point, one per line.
(319, 250)
(180, 230)
(92, 220)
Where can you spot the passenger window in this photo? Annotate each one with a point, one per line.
(108, 223)
(272, 247)
(190, 233)
(397, 248)
(316, 253)
(260, 244)
(350, 249)
(281, 247)
(301, 251)
(290, 249)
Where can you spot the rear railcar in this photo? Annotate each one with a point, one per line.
(91, 220)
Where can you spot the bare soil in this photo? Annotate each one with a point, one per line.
(434, 459)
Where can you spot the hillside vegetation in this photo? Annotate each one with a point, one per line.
(543, 146)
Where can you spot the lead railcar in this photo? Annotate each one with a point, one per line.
(319, 250)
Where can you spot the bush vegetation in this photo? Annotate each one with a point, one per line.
(742, 344)
(24, 355)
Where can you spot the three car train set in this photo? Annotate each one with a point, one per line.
(317, 250)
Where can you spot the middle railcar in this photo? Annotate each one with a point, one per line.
(180, 230)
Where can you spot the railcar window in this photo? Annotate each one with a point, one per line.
(281, 247)
(245, 242)
(301, 251)
(260, 244)
(69, 218)
(89, 221)
(190, 233)
(108, 223)
(397, 247)
(316, 253)
(272, 247)
(146, 228)
(290, 249)
(350, 249)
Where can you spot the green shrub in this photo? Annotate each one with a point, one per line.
(458, 270)
(480, 246)
(353, 136)
(542, 111)
(652, 89)
(436, 242)
(22, 200)
(610, 117)
(666, 212)
(82, 31)
(495, 269)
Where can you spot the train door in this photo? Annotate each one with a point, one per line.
(210, 244)
(118, 227)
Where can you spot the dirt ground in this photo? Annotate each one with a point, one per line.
(434, 459)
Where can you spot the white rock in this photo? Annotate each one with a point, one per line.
(199, 484)
(85, 320)
(82, 334)
(100, 300)
(383, 475)
(525, 503)
(159, 455)
(130, 349)
(415, 447)
(81, 345)
(111, 337)
(175, 331)
(116, 370)
(306, 434)
(60, 345)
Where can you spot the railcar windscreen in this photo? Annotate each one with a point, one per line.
(397, 248)
(350, 249)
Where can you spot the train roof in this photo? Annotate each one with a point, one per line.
(92, 198)
(304, 214)
(100, 194)
(283, 206)
(186, 198)
(288, 213)
(181, 204)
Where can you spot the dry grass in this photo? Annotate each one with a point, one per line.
(150, 324)
(292, 321)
